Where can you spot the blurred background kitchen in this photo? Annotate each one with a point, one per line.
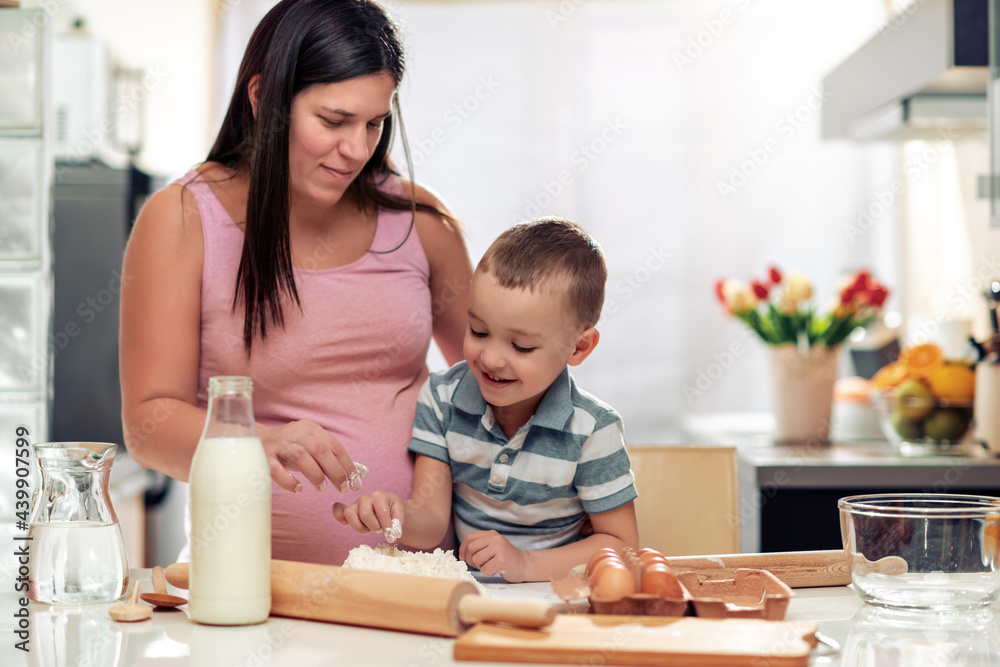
(695, 140)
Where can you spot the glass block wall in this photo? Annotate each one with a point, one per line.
(26, 174)
(25, 224)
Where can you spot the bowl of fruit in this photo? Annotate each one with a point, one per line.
(924, 402)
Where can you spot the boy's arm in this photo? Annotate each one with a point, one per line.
(424, 517)
(427, 513)
(493, 554)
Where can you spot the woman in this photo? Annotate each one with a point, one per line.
(296, 256)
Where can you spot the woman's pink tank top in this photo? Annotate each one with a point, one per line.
(352, 360)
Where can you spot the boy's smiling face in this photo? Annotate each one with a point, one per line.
(518, 342)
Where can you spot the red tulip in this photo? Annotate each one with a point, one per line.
(759, 289)
(877, 295)
(862, 281)
(774, 275)
(847, 296)
(718, 291)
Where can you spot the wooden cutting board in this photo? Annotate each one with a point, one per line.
(644, 640)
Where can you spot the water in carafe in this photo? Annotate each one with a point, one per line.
(78, 553)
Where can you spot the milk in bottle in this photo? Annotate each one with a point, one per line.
(230, 486)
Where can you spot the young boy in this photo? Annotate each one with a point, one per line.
(506, 439)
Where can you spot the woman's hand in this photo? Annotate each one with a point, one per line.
(373, 513)
(491, 553)
(306, 447)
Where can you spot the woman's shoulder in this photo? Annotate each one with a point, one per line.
(171, 215)
(174, 203)
(436, 222)
(423, 194)
(440, 233)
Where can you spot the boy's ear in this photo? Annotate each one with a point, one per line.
(252, 92)
(585, 344)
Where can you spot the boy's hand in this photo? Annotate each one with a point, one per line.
(372, 513)
(491, 553)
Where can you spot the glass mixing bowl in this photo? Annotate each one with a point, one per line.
(933, 551)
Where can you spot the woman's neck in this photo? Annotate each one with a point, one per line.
(308, 219)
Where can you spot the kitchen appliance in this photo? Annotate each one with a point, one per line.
(923, 75)
(81, 91)
(91, 228)
(78, 551)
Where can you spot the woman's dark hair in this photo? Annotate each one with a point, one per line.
(298, 44)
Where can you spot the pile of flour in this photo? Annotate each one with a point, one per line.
(387, 558)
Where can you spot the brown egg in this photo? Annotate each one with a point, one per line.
(660, 580)
(648, 555)
(601, 555)
(600, 566)
(613, 583)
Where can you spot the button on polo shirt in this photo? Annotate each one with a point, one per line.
(554, 412)
(502, 464)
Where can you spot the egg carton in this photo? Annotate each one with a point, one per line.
(748, 594)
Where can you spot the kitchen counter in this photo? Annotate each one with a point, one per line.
(788, 492)
(87, 636)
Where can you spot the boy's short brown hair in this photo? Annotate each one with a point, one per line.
(530, 253)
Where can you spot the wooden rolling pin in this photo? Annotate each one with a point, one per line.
(798, 569)
(385, 599)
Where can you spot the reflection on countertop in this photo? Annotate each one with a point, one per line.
(867, 636)
(886, 637)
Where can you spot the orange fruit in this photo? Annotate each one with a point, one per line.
(991, 535)
(890, 375)
(922, 360)
(953, 382)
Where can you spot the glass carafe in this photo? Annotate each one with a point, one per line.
(76, 545)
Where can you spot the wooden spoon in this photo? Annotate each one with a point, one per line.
(160, 598)
(131, 611)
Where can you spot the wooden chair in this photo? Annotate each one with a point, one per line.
(688, 498)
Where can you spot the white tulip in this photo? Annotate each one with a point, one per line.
(797, 289)
(738, 296)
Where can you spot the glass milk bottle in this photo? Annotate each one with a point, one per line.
(230, 486)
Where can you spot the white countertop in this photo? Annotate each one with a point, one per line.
(87, 636)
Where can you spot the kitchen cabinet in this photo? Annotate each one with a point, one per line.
(788, 493)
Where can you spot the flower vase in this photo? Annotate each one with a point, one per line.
(802, 382)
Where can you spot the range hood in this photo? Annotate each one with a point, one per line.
(922, 76)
